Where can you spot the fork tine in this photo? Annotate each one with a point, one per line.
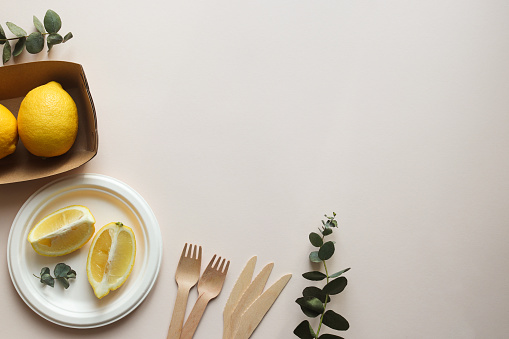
(211, 263)
(199, 253)
(226, 268)
(184, 250)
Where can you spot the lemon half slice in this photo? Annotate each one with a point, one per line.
(63, 231)
(110, 258)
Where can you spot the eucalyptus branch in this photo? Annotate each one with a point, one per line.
(314, 300)
(34, 42)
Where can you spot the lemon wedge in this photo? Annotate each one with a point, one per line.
(110, 258)
(63, 231)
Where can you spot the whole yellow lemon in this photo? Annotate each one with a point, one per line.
(48, 120)
(8, 132)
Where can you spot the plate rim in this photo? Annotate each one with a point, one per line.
(88, 179)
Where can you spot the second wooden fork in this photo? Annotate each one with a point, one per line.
(209, 286)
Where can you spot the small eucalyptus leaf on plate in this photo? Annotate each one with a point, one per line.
(38, 24)
(315, 239)
(47, 279)
(52, 21)
(311, 303)
(304, 330)
(71, 274)
(313, 257)
(314, 275)
(68, 37)
(35, 43)
(6, 54)
(16, 30)
(326, 251)
(335, 321)
(337, 274)
(64, 281)
(335, 286)
(18, 48)
(61, 270)
(313, 291)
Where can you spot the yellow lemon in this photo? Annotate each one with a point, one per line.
(110, 258)
(8, 132)
(63, 231)
(48, 120)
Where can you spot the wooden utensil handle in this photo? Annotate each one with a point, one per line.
(194, 317)
(179, 312)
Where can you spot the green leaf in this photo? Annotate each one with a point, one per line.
(35, 43)
(316, 292)
(2, 35)
(18, 48)
(312, 304)
(67, 37)
(335, 321)
(326, 251)
(38, 24)
(45, 270)
(47, 279)
(61, 270)
(6, 54)
(337, 274)
(335, 286)
(313, 257)
(315, 239)
(327, 231)
(330, 336)
(53, 39)
(314, 275)
(16, 30)
(52, 21)
(64, 281)
(71, 274)
(304, 330)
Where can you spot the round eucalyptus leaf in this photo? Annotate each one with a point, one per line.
(45, 270)
(335, 321)
(54, 39)
(330, 336)
(314, 275)
(6, 53)
(2, 35)
(35, 43)
(335, 286)
(38, 24)
(315, 239)
(313, 257)
(316, 292)
(311, 303)
(304, 330)
(52, 21)
(67, 37)
(337, 274)
(47, 279)
(16, 30)
(61, 270)
(327, 231)
(326, 251)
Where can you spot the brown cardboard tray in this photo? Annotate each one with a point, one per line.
(15, 82)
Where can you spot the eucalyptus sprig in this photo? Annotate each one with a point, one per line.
(314, 300)
(62, 273)
(34, 42)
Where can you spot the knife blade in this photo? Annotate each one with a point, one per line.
(238, 289)
(254, 314)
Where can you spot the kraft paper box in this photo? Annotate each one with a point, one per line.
(15, 82)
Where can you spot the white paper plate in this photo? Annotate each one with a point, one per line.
(109, 200)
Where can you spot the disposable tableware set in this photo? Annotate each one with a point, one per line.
(246, 305)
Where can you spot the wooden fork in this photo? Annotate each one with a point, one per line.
(187, 275)
(209, 286)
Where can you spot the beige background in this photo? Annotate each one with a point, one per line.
(243, 122)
